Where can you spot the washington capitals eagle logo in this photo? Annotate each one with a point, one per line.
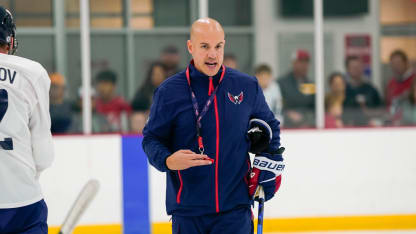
(236, 99)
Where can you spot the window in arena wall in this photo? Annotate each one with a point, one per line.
(103, 13)
(142, 14)
(30, 13)
(171, 13)
(397, 12)
(231, 12)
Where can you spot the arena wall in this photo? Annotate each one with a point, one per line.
(359, 178)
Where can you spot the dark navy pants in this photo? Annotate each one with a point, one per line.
(237, 221)
(29, 219)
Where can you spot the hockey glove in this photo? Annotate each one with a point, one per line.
(267, 173)
(260, 135)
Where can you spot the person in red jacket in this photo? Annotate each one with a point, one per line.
(403, 77)
(108, 103)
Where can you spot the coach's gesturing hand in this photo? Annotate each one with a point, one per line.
(184, 159)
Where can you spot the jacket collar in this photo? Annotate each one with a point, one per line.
(195, 74)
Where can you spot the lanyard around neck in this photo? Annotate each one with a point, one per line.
(198, 115)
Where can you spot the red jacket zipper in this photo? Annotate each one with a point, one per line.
(217, 151)
(217, 206)
(178, 196)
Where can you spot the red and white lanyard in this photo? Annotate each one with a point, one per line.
(198, 115)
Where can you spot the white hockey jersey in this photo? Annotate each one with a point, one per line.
(25, 137)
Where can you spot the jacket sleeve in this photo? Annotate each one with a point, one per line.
(262, 111)
(156, 133)
(40, 125)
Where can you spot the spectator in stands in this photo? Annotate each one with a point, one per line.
(271, 90)
(399, 85)
(109, 104)
(170, 59)
(230, 61)
(59, 108)
(408, 107)
(334, 101)
(298, 93)
(362, 99)
(99, 122)
(143, 98)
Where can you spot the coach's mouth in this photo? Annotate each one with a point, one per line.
(211, 65)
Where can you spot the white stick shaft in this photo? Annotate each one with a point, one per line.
(80, 205)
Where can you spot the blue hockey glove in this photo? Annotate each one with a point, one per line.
(267, 173)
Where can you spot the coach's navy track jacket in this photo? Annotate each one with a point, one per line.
(221, 186)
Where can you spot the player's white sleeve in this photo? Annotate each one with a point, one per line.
(40, 125)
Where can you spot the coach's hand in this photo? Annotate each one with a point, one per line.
(267, 173)
(184, 159)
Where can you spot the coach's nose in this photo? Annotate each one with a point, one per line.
(212, 54)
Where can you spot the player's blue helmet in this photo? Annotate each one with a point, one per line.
(7, 30)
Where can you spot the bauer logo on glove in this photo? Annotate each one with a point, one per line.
(267, 173)
(264, 163)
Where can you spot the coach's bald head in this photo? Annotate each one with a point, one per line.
(206, 45)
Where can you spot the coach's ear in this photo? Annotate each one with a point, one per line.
(189, 46)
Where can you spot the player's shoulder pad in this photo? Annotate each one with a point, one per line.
(29, 67)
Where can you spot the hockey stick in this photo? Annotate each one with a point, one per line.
(84, 198)
(261, 211)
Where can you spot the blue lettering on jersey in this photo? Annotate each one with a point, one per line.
(7, 74)
(7, 144)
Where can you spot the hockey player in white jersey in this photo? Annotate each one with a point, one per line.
(25, 139)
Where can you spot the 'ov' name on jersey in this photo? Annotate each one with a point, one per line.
(7, 75)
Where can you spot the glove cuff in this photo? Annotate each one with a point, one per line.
(263, 124)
